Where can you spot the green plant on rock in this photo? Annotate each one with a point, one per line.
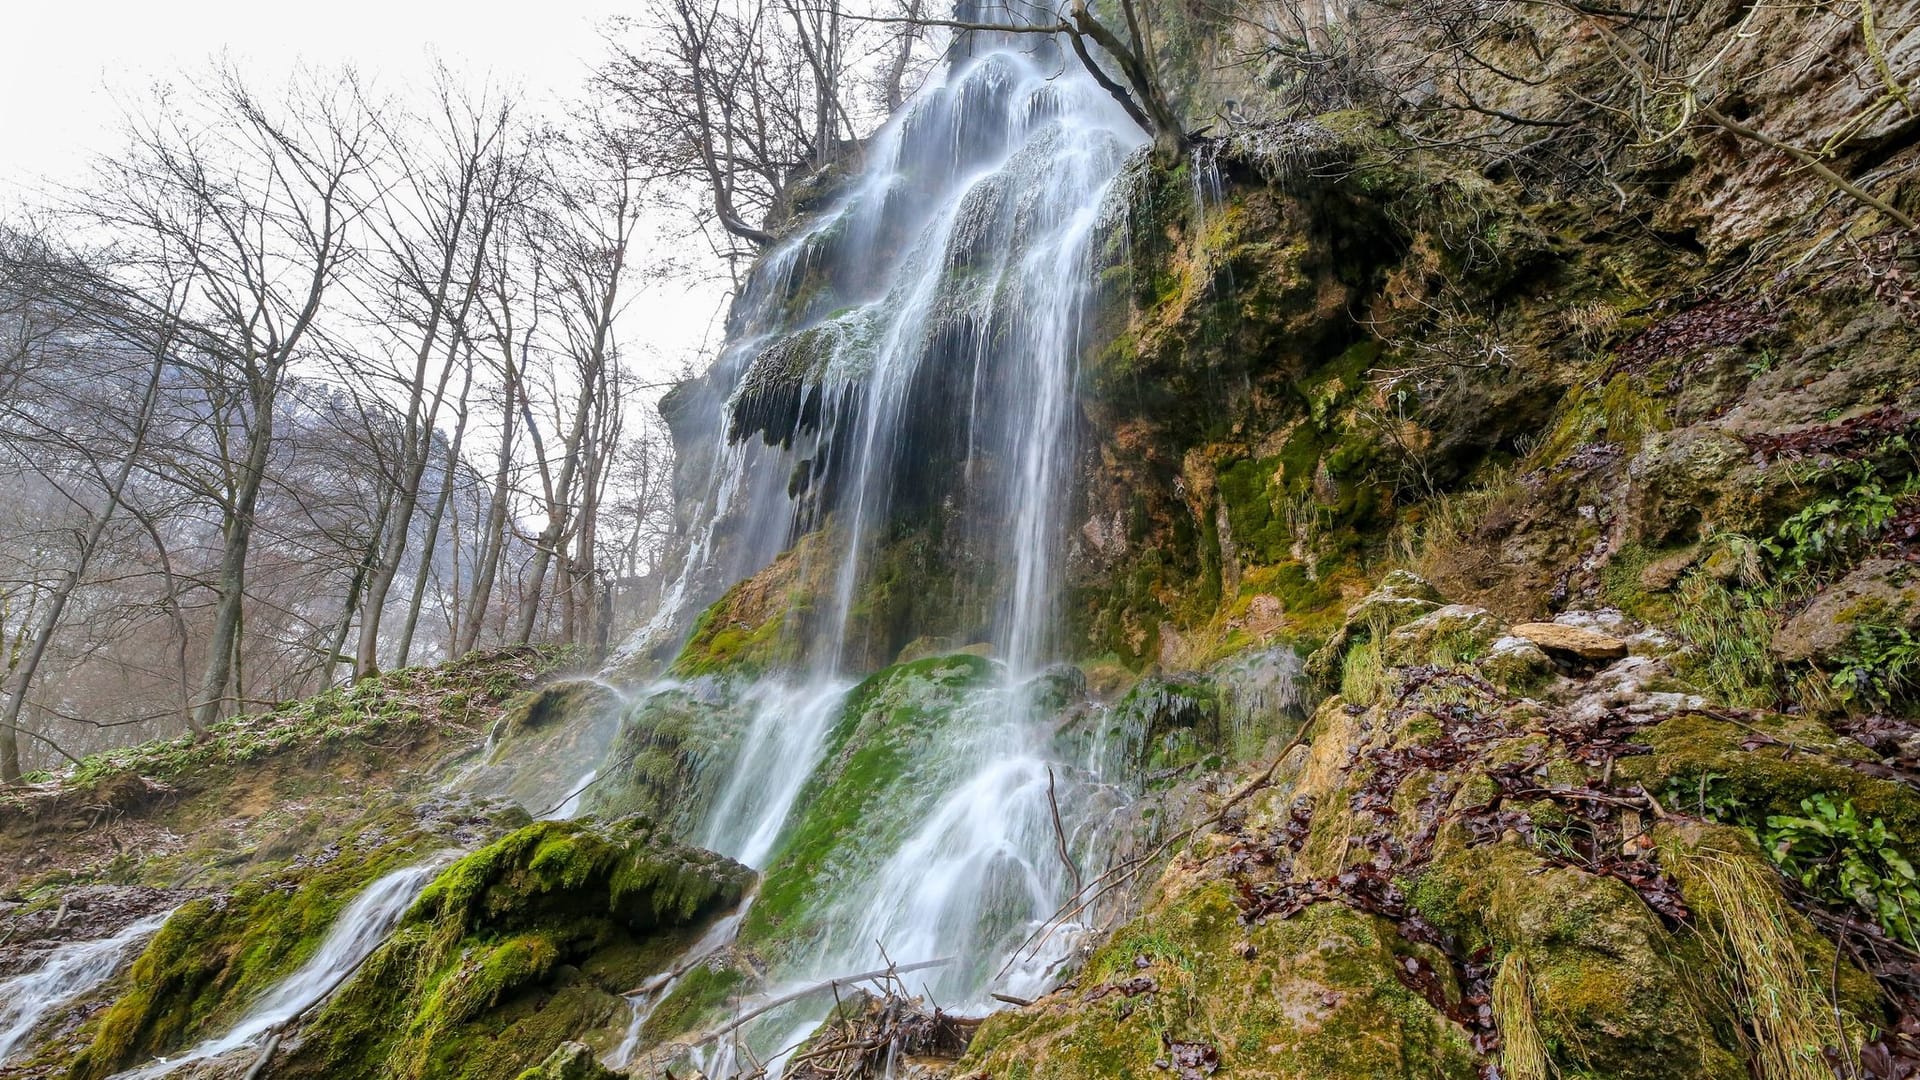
(1842, 858)
(1835, 529)
(1879, 667)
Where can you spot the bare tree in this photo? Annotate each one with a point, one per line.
(258, 201)
(433, 232)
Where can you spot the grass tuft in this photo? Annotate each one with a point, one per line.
(1523, 1053)
(1791, 1022)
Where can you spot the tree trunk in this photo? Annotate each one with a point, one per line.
(449, 471)
(558, 516)
(232, 583)
(36, 650)
(487, 567)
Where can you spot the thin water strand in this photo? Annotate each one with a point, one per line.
(362, 926)
(68, 973)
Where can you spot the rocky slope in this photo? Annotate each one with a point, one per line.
(1491, 648)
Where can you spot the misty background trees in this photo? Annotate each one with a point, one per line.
(315, 377)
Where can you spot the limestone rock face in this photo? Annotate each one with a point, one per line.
(1571, 641)
(1403, 887)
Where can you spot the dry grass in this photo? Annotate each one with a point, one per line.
(1523, 1053)
(1791, 1021)
(1447, 523)
(1364, 680)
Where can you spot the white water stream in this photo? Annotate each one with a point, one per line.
(68, 973)
(360, 929)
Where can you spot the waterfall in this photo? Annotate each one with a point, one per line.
(68, 973)
(908, 360)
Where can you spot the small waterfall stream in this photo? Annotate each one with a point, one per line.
(68, 973)
(360, 929)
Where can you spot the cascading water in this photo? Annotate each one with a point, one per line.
(67, 973)
(360, 929)
(911, 355)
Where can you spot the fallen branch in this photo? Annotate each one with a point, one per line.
(1060, 834)
(1126, 871)
(808, 991)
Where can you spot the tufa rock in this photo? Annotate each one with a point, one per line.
(1589, 645)
(1401, 597)
(570, 1061)
(1878, 591)
(1516, 665)
(1461, 631)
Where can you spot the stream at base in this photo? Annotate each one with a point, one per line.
(67, 974)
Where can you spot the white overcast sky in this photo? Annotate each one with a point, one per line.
(69, 68)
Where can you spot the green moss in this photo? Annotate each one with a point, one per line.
(1704, 764)
(1614, 994)
(1248, 490)
(718, 643)
(700, 996)
(880, 763)
(1308, 997)
(503, 955)
(664, 761)
(1171, 724)
(215, 955)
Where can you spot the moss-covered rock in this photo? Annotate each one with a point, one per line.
(218, 953)
(1613, 992)
(570, 1061)
(545, 743)
(668, 758)
(1310, 997)
(516, 948)
(880, 767)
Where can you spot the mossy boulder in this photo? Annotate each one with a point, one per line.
(1401, 597)
(1714, 763)
(570, 1061)
(1456, 633)
(669, 755)
(218, 953)
(1613, 992)
(1171, 724)
(517, 947)
(1307, 998)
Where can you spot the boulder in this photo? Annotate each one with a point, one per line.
(1459, 631)
(1516, 664)
(1878, 591)
(1401, 597)
(570, 1061)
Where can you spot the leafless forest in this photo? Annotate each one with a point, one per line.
(313, 378)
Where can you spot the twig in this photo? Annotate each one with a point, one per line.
(786, 999)
(1060, 834)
